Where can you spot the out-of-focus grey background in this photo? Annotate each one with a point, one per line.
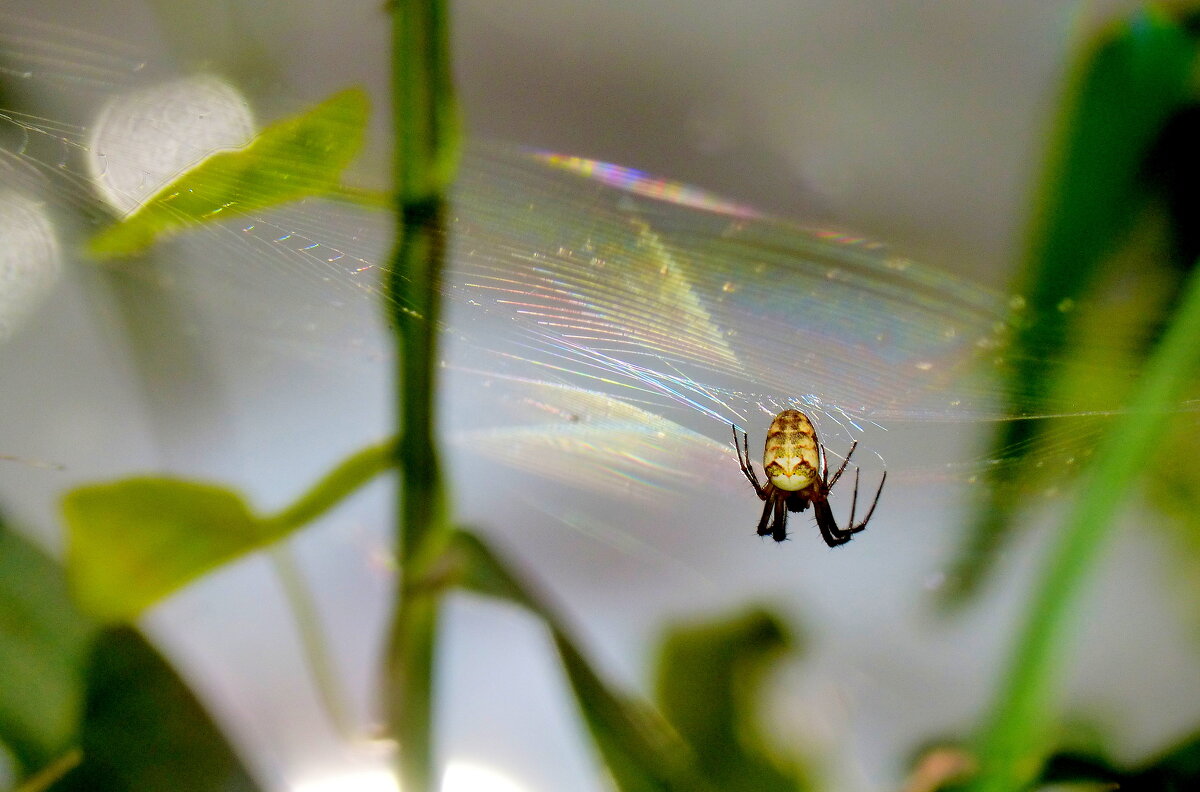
(923, 124)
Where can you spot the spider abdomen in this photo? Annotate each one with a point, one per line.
(791, 458)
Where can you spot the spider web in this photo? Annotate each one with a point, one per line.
(615, 324)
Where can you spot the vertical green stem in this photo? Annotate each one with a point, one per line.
(1014, 742)
(425, 139)
(423, 530)
(424, 113)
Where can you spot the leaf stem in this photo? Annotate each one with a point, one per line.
(1012, 745)
(52, 773)
(313, 639)
(641, 750)
(341, 482)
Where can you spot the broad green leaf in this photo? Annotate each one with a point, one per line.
(133, 542)
(641, 751)
(1127, 89)
(143, 730)
(43, 646)
(291, 159)
(710, 682)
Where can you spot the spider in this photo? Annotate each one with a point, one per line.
(797, 475)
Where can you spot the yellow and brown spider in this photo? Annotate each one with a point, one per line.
(798, 475)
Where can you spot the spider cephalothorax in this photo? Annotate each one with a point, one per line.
(797, 476)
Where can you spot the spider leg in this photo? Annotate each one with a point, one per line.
(750, 467)
(875, 502)
(743, 454)
(779, 524)
(828, 525)
(854, 500)
(768, 510)
(846, 461)
(852, 528)
(830, 532)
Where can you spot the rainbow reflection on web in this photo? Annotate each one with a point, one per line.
(640, 183)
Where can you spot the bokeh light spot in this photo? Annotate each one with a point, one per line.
(459, 777)
(29, 259)
(145, 139)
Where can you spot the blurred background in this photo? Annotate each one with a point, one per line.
(258, 363)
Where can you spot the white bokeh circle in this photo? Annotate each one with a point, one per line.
(144, 139)
(30, 258)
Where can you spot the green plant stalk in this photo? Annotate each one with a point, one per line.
(423, 529)
(425, 139)
(312, 638)
(1013, 744)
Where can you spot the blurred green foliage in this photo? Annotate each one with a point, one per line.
(132, 542)
(43, 642)
(702, 731)
(1111, 171)
(1113, 327)
(68, 685)
(711, 681)
(1176, 769)
(143, 729)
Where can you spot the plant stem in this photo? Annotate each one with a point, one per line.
(312, 638)
(1013, 744)
(425, 139)
(423, 530)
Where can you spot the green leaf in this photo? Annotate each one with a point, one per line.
(1137, 77)
(710, 680)
(291, 159)
(1013, 743)
(143, 729)
(642, 752)
(43, 646)
(133, 542)
(1175, 489)
(1176, 768)
(1073, 767)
